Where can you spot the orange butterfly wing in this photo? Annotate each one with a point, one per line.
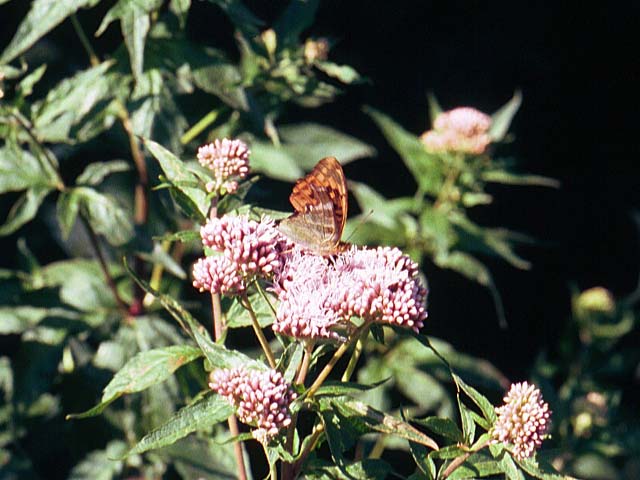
(320, 203)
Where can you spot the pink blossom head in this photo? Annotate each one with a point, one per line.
(462, 129)
(319, 296)
(228, 160)
(306, 287)
(248, 250)
(262, 399)
(523, 419)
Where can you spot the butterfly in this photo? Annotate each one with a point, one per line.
(320, 203)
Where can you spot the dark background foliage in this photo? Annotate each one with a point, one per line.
(578, 124)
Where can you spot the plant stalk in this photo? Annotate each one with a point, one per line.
(259, 333)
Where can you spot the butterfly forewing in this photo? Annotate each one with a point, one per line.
(320, 203)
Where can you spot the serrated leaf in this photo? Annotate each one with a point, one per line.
(424, 462)
(43, 16)
(19, 170)
(217, 355)
(297, 17)
(425, 167)
(378, 421)
(339, 388)
(24, 210)
(509, 467)
(185, 236)
(105, 215)
(201, 415)
(141, 372)
(367, 469)
(442, 426)
(134, 23)
(75, 99)
(309, 142)
(501, 120)
(480, 400)
(476, 466)
(177, 173)
(222, 79)
(238, 316)
(95, 173)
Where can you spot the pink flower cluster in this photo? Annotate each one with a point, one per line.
(462, 129)
(523, 420)
(228, 159)
(262, 399)
(248, 249)
(318, 296)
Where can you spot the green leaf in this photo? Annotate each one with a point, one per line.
(343, 73)
(274, 162)
(238, 316)
(20, 170)
(82, 284)
(43, 16)
(100, 464)
(67, 209)
(181, 9)
(468, 424)
(58, 117)
(444, 427)
(201, 415)
(24, 210)
(509, 178)
(426, 168)
(21, 318)
(420, 387)
(309, 142)
(501, 120)
(222, 79)
(25, 87)
(434, 107)
(141, 372)
(134, 23)
(297, 17)
(378, 421)
(367, 469)
(424, 462)
(241, 16)
(159, 256)
(339, 388)
(217, 355)
(477, 466)
(96, 172)
(509, 467)
(480, 400)
(583, 465)
(105, 215)
(179, 176)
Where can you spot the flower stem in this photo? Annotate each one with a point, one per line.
(355, 356)
(306, 362)
(332, 363)
(256, 328)
(197, 129)
(93, 58)
(461, 459)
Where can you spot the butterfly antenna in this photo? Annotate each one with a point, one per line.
(362, 220)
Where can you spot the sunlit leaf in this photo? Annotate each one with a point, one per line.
(95, 173)
(425, 167)
(344, 73)
(501, 120)
(141, 372)
(25, 87)
(105, 215)
(21, 318)
(43, 16)
(24, 210)
(238, 316)
(100, 464)
(201, 415)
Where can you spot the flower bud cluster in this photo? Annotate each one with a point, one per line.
(262, 399)
(523, 419)
(228, 160)
(248, 249)
(462, 129)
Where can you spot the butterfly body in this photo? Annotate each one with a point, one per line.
(320, 203)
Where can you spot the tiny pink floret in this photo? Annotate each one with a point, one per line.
(228, 160)
(462, 129)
